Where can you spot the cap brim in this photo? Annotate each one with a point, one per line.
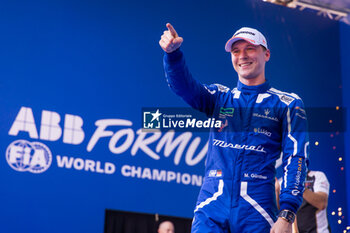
(230, 42)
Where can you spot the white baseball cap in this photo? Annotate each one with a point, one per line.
(250, 35)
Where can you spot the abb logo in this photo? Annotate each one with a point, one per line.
(50, 128)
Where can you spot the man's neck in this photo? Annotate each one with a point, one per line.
(252, 82)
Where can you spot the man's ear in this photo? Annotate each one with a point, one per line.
(267, 55)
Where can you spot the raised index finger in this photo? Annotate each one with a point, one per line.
(172, 30)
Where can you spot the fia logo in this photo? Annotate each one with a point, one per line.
(151, 120)
(24, 156)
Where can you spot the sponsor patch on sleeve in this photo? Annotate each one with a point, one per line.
(215, 173)
(285, 99)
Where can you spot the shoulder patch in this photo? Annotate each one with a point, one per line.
(222, 88)
(293, 95)
(285, 99)
(210, 91)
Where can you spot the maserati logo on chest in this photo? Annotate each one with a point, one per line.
(266, 116)
(267, 111)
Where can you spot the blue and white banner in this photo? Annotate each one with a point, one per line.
(76, 77)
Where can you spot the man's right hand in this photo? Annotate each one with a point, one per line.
(170, 40)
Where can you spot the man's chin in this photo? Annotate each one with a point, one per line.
(247, 76)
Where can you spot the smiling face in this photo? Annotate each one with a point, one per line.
(249, 62)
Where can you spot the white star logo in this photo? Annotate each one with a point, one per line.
(156, 115)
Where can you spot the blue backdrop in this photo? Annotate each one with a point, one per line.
(75, 75)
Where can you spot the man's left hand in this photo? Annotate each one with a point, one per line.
(281, 226)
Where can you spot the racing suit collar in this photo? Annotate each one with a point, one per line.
(253, 89)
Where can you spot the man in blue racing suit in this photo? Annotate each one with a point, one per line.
(258, 124)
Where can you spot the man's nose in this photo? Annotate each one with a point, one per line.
(243, 55)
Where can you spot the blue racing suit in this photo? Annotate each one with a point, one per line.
(259, 123)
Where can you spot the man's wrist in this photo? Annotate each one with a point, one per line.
(287, 215)
(174, 55)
